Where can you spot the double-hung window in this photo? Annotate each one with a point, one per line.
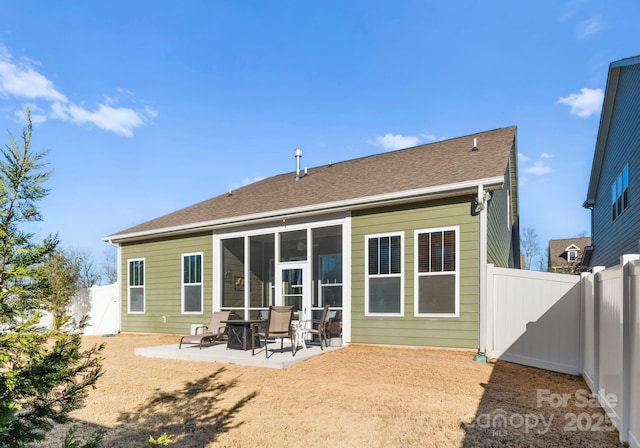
(437, 277)
(192, 293)
(136, 286)
(620, 193)
(384, 284)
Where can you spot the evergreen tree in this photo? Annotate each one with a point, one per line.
(44, 371)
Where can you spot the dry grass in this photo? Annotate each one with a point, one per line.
(355, 397)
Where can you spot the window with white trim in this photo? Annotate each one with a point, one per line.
(384, 284)
(135, 298)
(620, 194)
(437, 277)
(192, 294)
(572, 255)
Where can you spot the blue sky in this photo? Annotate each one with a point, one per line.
(151, 106)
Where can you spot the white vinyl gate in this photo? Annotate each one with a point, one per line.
(536, 319)
(101, 304)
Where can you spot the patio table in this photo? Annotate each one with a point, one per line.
(239, 337)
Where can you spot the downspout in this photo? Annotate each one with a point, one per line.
(119, 283)
(481, 208)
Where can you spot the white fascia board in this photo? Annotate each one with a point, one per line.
(446, 190)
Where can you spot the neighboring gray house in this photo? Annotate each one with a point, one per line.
(615, 173)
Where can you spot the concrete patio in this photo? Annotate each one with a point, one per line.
(218, 352)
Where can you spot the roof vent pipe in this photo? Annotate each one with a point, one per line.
(475, 145)
(298, 156)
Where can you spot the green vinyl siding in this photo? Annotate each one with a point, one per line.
(163, 284)
(498, 228)
(459, 331)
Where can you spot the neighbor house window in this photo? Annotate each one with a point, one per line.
(384, 280)
(136, 286)
(572, 255)
(192, 283)
(437, 276)
(620, 193)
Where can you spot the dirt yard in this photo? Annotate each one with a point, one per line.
(361, 396)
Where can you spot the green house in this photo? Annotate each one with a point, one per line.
(395, 243)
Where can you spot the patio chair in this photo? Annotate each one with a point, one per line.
(278, 326)
(212, 332)
(319, 327)
(334, 325)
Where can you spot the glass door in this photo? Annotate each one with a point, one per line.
(294, 289)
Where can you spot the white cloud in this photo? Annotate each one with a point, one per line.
(58, 111)
(248, 180)
(538, 168)
(20, 80)
(590, 27)
(150, 111)
(119, 120)
(124, 91)
(570, 9)
(584, 104)
(523, 158)
(428, 137)
(546, 155)
(391, 142)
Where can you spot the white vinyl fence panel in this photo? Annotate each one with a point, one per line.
(609, 296)
(589, 361)
(536, 318)
(105, 309)
(101, 304)
(634, 352)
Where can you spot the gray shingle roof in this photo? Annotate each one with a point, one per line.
(440, 163)
(557, 249)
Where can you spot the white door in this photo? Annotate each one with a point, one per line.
(293, 289)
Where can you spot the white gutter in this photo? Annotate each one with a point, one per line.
(382, 199)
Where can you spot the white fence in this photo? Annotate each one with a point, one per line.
(101, 304)
(535, 319)
(588, 326)
(611, 340)
(634, 352)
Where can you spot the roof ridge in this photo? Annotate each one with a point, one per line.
(445, 162)
(417, 146)
(386, 152)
